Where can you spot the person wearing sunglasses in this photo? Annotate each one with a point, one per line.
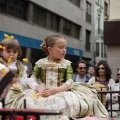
(103, 81)
(81, 75)
(103, 75)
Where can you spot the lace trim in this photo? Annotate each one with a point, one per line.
(44, 63)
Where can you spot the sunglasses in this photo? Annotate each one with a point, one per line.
(118, 74)
(101, 68)
(82, 68)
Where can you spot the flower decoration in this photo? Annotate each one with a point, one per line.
(16, 86)
(25, 60)
(43, 44)
(2, 47)
(35, 95)
(7, 36)
(2, 71)
(10, 60)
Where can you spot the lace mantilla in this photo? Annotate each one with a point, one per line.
(44, 63)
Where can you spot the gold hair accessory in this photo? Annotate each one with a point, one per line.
(45, 37)
(3, 47)
(10, 60)
(44, 43)
(25, 60)
(7, 36)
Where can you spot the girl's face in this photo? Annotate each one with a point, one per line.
(101, 70)
(8, 53)
(58, 51)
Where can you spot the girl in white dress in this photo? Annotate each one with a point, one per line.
(10, 51)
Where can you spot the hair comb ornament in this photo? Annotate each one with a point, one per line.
(44, 43)
(7, 36)
(2, 47)
(45, 37)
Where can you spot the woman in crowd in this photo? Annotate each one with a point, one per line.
(102, 80)
(103, 75)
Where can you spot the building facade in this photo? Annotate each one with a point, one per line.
(31, 20)
(99, 46)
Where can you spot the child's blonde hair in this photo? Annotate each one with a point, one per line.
(12, 44)
(49, 41)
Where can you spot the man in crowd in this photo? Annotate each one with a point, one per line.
(81, 75)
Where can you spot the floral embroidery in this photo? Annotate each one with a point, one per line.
(25, 60)
(44, 63)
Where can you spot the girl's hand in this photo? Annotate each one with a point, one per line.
(48, 91)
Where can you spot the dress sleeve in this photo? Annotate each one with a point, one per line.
(69, 73)
(69, 76)
(36, 71)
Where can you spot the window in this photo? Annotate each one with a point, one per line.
(16, 8)
(87, 40)
(71, 29)
(99, 24)
(105, 8)
(66, 27)
(52, 21)
(105, 51)
(88, 12)
(39, 16)
(75, 2)
(75, 30)
(45, 18)
(97, 49)
(3, 6)
(102, 47)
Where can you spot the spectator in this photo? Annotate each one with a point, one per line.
(81, 75)
(103, 75)
(103, 79)
(115, 97)
(91, 71)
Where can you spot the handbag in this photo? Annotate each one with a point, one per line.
(101, 87)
